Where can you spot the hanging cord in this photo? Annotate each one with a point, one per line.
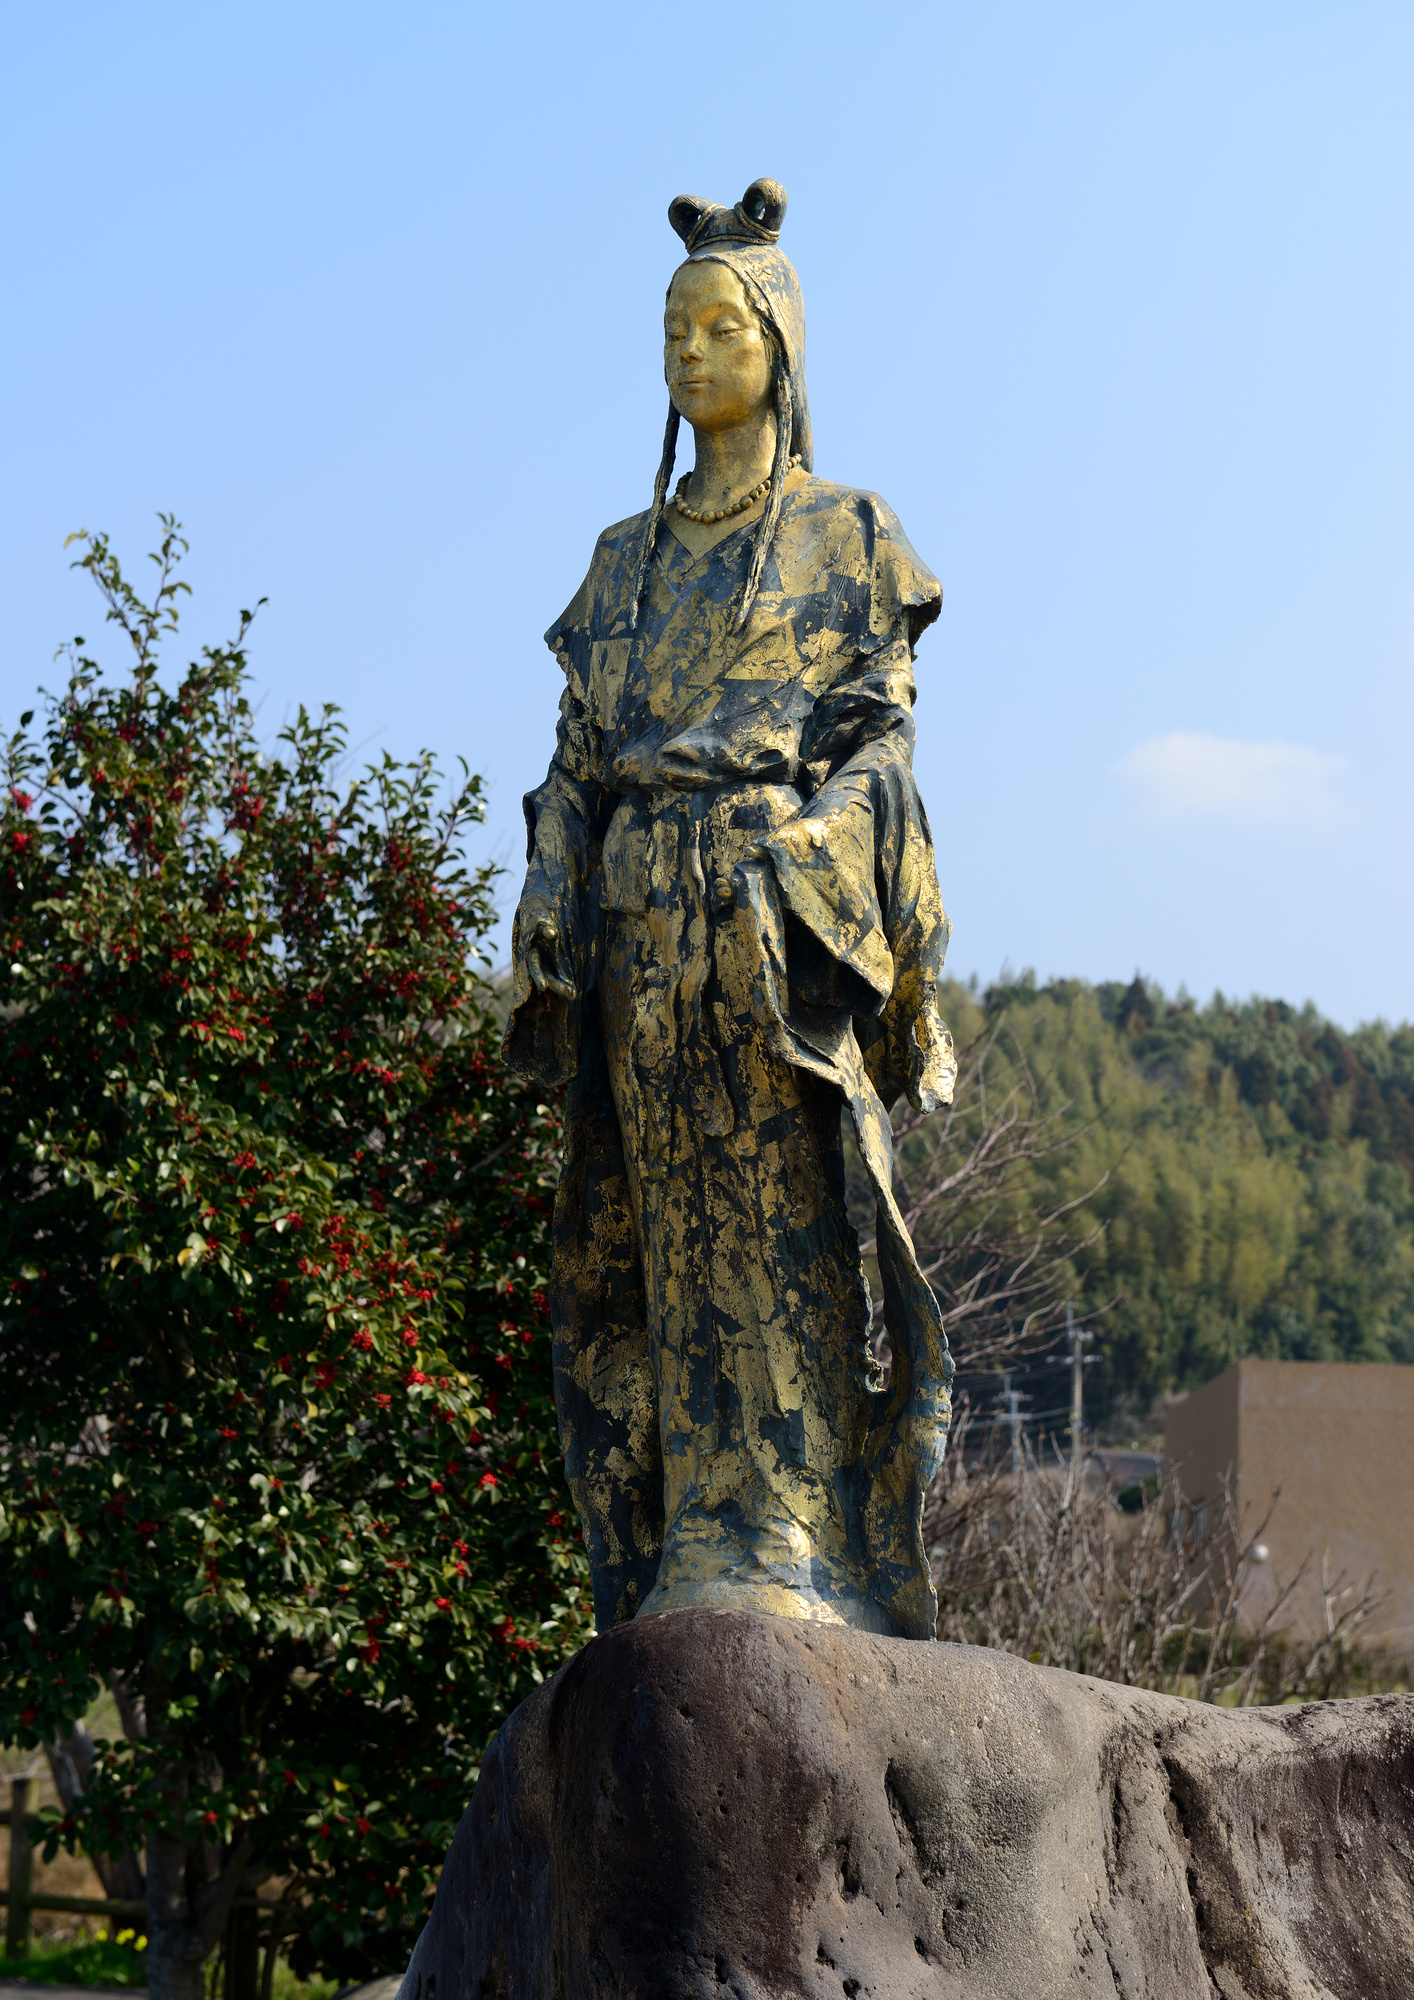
(655, 513)
(780, 466)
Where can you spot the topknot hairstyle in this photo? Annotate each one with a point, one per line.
(757, 217)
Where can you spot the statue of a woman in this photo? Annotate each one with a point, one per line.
(730, 928)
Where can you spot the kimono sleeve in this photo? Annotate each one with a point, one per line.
(871, 697)
(904, 595)
(565, 819)
(864, 926)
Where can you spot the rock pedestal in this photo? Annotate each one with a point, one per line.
(717, 1803)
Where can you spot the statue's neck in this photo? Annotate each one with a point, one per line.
(730, 463)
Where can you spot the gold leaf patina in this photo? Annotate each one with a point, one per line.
(730, 931)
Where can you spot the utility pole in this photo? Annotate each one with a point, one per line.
(1076, 1341)
(1013, 1399)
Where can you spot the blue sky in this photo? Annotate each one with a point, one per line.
(1112, 303)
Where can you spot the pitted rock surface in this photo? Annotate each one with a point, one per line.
(707, 1804)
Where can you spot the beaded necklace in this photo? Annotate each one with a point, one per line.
(707, 520)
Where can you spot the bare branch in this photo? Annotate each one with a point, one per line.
(1066, 1577)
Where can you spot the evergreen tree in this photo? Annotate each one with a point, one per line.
(279, 1456)
(1258, 1176)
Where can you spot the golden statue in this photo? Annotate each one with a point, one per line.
(730, 929)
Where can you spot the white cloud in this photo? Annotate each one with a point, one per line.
(1216, 778)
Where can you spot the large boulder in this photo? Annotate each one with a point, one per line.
(715, 1803)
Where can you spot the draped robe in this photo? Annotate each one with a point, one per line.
(734, 853)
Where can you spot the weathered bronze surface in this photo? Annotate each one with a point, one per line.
(730, 928)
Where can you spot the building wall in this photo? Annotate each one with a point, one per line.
(1334, 1442)
(1201, 1440)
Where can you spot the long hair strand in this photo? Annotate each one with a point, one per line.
(780, 465)
(655, 513)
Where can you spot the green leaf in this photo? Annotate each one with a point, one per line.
(205, 1381)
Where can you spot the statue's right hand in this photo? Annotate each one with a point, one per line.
(544, 963)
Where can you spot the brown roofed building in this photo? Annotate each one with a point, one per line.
(1337, 1439)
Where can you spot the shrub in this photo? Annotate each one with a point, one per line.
(279, 1460)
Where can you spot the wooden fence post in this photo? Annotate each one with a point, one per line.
(17, 1912)
(243, 1953)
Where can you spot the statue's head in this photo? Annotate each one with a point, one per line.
(734, 346)
(740, 244)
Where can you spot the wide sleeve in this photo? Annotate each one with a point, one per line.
(854, 870)
(870, 696)
(565, 819)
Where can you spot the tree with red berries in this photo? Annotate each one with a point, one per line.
(278, 1456)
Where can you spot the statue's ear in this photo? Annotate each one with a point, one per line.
(685, 212)
(764, 203)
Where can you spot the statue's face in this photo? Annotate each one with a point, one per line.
(715, 357)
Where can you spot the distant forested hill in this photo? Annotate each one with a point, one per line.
(1260, 1197)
